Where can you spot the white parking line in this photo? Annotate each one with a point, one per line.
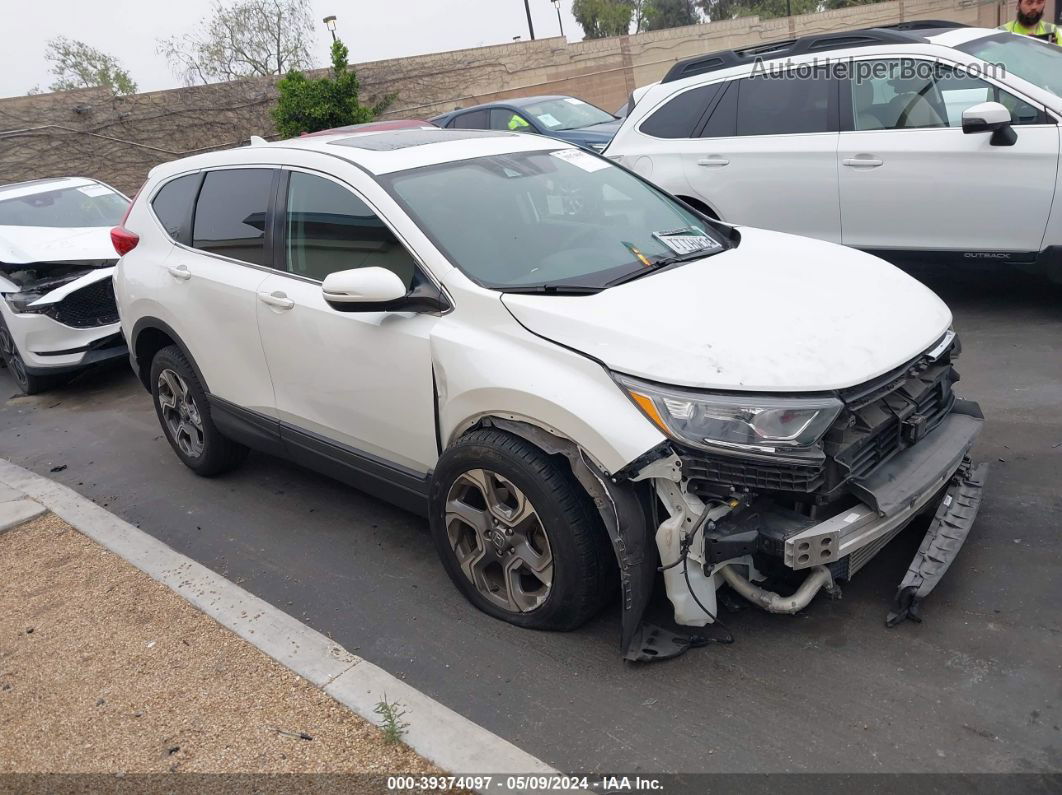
(436, 732)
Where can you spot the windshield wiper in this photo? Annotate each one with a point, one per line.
(553, 289)
(660, 264)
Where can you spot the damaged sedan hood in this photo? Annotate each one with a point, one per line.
(776, 313)
(26, 244)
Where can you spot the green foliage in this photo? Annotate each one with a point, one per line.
(660, 14)
(601, 18)
(77, 65)
(310, 104)
(391, 721)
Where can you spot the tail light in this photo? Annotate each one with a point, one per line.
(122, 239)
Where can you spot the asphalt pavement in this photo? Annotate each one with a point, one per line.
(976, 688)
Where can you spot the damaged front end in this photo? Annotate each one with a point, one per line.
(78, 294)
(782, 520)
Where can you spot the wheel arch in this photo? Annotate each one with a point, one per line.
(150, 335)
(621, 505)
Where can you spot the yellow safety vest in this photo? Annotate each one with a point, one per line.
(1045, 31)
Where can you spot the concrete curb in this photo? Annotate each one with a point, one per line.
(436, 732)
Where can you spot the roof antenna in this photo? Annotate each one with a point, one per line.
(257, 140)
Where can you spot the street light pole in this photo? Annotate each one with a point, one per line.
(560, 22)
(530, 27)
(330, 23)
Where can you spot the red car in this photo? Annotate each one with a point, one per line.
(374, 126)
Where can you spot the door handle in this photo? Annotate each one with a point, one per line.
(179, 272)
(863, 162)
(277, 299)
(714, 160)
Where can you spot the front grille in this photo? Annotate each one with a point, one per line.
(704, 469)
(881, 418)
(88, 307)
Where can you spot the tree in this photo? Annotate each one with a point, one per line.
(769, 9)
(660, 14)
(310, 104)
(248, 38)
(601, 18)
(77, 65)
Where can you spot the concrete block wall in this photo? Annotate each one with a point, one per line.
(118, 139)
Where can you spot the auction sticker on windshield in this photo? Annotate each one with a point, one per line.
(687, 241)
(584, 160)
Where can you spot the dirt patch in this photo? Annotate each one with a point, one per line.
(102, 669)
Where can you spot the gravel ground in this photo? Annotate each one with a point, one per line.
(102, 669)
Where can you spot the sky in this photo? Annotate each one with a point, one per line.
(372, 29)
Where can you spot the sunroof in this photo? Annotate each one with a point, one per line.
(386, 141)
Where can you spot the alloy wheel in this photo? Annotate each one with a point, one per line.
(181, 414)
(499, 541)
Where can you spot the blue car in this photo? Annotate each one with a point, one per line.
(567, 118)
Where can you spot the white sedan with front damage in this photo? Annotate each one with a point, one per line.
(57, 308)
(578, 379)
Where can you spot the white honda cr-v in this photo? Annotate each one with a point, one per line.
(923, 141)
(576, 378)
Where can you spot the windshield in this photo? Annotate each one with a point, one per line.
(562, 218)
(566, 113)
(88, 205)
(1030, 59)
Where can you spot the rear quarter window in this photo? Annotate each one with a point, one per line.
(173, 205)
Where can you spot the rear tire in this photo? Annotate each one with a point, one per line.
(184, 414)
(517, 534)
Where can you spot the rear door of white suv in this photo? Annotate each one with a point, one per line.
(207, 285)
(910, 179)
(746, 133)
(354, 386)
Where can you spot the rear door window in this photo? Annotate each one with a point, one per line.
(783, 105)
(679, 116)
(230, 216)
(475, 120)
(173, 206)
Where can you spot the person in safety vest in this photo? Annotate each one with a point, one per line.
(1030, 22)
(518, 122)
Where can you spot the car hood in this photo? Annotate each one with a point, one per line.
(598, 133)
(26, 244)
(776, 313)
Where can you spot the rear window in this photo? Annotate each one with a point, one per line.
(88, 205)
(679, 116)
(230, 216)
(173, 206)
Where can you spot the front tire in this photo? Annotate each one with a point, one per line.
(517, 534)
(184, 413)
(28, 383)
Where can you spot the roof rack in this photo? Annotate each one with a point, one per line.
(820, 42)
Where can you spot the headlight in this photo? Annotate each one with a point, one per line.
(20, 302)
(736, 422)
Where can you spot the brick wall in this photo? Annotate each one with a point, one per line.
(89, 132)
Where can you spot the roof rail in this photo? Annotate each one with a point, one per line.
(819, 42)
(925, 24)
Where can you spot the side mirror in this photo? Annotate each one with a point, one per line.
(990, 117)
(380, 290)
(363, 286)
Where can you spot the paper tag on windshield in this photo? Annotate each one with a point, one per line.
(574, 101)
(94, 190)
(687, 241)
(549, 120)
(584, 160)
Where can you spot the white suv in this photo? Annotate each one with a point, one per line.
(923, 141)
(565, 369)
